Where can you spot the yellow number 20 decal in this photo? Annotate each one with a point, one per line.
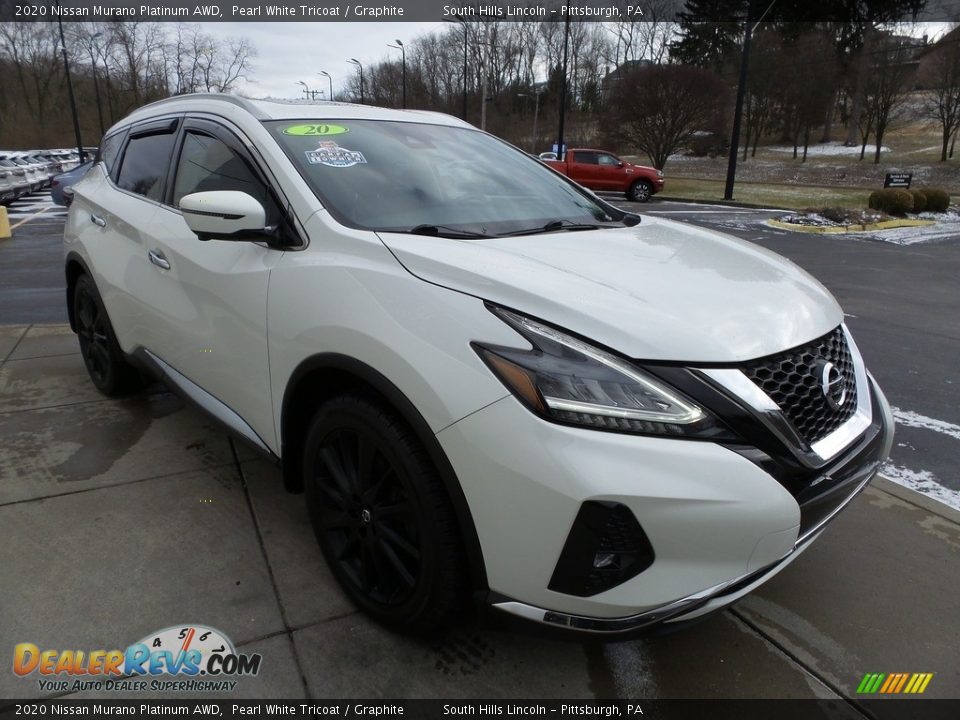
(321, 130)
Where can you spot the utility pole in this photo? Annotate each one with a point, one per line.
(96, 84)
(738, 111)
(73, 101)
(563, 86)
(485, 58)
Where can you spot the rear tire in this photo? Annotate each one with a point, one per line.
(381, 515)
(106, 364)
(640, 191)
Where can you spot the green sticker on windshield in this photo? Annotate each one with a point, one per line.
(315, 130)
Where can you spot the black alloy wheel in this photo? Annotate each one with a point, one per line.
(381, 515)
(108, 369)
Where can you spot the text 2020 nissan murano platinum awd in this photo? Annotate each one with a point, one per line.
(488, 382)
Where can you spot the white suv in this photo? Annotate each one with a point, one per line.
(488, 381)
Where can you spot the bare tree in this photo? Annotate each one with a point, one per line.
(658, 108)
(885, 90)
(645, 36)
(942, 99)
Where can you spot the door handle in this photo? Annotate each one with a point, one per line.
(97, 220)
(158, 259)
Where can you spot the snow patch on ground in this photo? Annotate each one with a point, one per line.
(923, 482)
(908, 418)
(947, 229)
(831, 148)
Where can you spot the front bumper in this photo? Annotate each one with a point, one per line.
(721, 525)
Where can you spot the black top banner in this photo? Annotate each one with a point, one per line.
(436, 10)
(192, 705)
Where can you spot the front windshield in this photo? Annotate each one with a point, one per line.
(403, 176)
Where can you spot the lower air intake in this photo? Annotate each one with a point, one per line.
(606, 547)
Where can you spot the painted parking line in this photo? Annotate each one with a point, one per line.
(909, 418)
(31, 217)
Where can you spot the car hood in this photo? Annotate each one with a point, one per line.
(661, 290)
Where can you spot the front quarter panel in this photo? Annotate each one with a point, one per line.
(347, 295)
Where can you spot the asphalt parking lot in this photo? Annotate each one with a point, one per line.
(123, 517)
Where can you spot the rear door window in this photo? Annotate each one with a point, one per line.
(110, 149)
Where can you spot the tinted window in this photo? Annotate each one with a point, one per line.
(109, 149)
(145, 165)
(608, 160)
(207, 163)
(586, 158)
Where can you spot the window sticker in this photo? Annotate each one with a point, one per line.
(315, 130)
(332, 155)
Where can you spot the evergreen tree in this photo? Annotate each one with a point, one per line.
(710, 31)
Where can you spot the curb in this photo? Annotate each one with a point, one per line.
(845, 229)
(915, 498)
(728, 203)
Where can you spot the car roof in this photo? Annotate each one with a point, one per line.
(285, 110)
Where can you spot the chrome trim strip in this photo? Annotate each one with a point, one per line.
(742, 387)
(738, 385)
(209, 403)
(828, 447)
(634, 622)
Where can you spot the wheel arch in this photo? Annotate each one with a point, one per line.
(329, 374)
(74, 267)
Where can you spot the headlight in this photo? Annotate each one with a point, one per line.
(565, 379)
(659, 173)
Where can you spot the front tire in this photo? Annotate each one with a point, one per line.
(381, 515)
(640, 191)
(106, 364)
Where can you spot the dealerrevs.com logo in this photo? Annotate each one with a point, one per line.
(186, 658)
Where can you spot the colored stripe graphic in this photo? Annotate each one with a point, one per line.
(894, 683)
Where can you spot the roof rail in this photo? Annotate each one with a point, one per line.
(241, 102)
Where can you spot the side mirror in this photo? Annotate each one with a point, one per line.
(224, 215)
(620, 163)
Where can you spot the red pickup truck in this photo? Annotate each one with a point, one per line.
(601, 170)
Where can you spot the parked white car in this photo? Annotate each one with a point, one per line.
(13, 180)
(489, 383)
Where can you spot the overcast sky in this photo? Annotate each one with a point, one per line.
(290, 51)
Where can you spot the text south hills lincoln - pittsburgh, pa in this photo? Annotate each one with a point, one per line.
(519, 11)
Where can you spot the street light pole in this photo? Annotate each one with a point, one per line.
(403, 52)
(73, 101)
(329, 79)
(96, 84)
(357, 63)
(536, 113)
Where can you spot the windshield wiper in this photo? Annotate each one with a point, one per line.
(443, 231)
(554, 226)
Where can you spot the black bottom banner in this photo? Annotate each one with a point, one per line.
(892, 709)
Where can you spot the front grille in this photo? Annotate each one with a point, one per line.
(792, 380)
